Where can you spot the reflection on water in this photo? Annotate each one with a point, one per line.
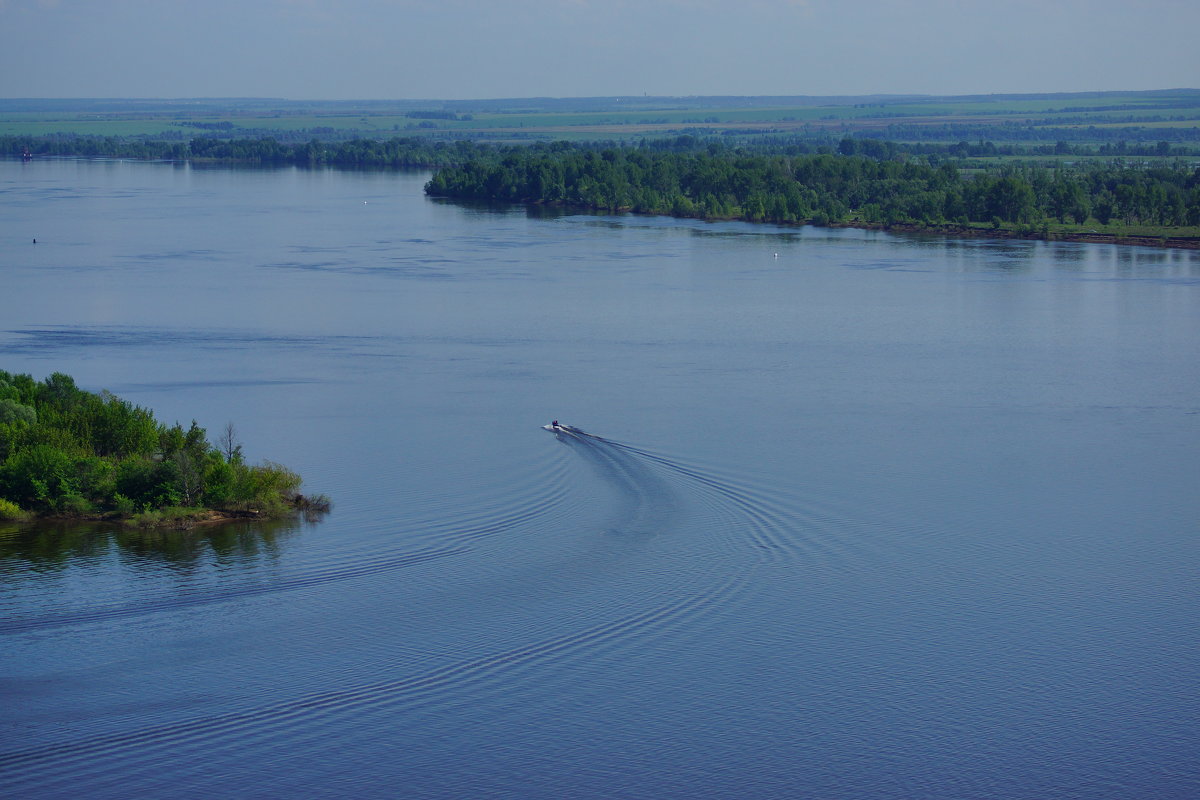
(53, 545)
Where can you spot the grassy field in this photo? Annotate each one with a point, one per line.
(1140, 116)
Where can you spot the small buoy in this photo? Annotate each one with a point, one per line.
(777, 255)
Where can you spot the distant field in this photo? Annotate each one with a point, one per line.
(1140, 116)
(1175, 123)
(82, 128)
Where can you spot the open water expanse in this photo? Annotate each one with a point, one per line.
(861, 516)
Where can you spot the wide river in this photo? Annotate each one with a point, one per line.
(861, 515)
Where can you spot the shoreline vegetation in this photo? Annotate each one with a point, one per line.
(949, 190)
(70, 454)
(1119, 203)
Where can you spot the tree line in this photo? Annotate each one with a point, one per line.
(822, 188)
(422, 152)
(66, 451)
(393, 152)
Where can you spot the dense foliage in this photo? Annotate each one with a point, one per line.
(67, 451)
(236, 146)
(822, 188)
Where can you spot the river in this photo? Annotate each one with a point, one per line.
(854, 514)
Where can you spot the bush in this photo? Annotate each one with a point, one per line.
(218, 483)
(38, 477)
(147, 483)
(267, 488)
(95, 478)
(10, 510)
(76, 504)
(123, 505)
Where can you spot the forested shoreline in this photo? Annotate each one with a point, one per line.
(415, 151)
(70, 453)
(829, 189)
(858, 182)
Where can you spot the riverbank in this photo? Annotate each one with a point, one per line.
(177, 518)
(957, 230)
(1092, 237)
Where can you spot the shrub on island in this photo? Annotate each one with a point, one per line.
(66, 452)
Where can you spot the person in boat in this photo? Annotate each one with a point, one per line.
(554, 424)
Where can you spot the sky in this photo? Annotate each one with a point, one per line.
(474, 49)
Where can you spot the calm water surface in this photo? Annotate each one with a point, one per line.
(856, 515)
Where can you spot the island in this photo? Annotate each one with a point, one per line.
(1112, 202)
(66, 453)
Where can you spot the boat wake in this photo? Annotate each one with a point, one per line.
(701, 537)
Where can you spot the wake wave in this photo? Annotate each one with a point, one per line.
(447, 682)
(761, 524)
(783, 526)
(646, 503)
(656, 495)
(445, 538)
(224, 594)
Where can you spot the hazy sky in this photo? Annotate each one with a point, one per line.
(342, 49)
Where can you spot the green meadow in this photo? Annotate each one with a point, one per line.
(1172, 115)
